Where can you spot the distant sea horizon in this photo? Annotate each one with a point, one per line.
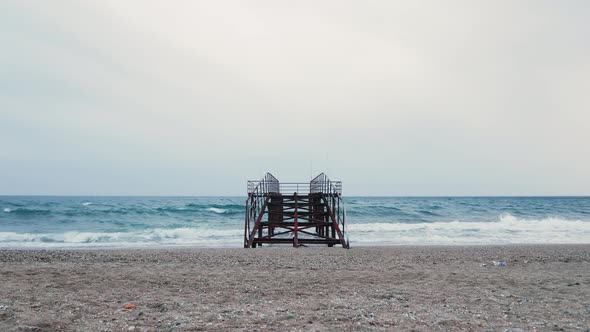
(344, 196)
(121, 221)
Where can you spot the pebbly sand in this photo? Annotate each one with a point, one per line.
(543, 288)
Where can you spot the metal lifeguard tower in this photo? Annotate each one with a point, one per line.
(295, 213)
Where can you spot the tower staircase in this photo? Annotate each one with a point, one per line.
(300, 214)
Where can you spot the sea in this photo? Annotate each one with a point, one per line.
(138, 222)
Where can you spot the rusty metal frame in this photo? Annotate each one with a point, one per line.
(296, 209)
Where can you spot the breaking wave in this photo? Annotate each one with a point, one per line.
(506, 230)
(157, 236)
(27, 211)
(93, 209)
(217, 210)
(219, 221)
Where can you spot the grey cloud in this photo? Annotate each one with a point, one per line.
(401, 98)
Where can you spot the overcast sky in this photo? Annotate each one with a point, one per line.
(433, 97)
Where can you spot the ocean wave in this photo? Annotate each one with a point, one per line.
(97, 210)
(193, 207)
(507, 229)
(428, 213)
(85, 209)
(229, 207)
(27, 211)
(155, 236)
(376, 210)
(217, 210)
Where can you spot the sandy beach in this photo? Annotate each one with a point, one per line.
(421, 288)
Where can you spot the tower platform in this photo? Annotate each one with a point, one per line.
(300, 214)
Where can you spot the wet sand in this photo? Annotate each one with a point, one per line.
(425, 288)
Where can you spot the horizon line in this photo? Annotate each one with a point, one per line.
(375, 196)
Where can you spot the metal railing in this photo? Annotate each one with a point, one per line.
(257, 197)
(320, 184)
(268, 184)
(332, 191)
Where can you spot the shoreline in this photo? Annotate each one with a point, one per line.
(374, 288)
(276, 246)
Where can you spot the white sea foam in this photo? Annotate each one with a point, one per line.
(87, 203)
(217, 210)
(156, 236)
(508, 229)
(7, 210)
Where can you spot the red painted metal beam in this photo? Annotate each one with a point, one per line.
(295, 225)
(247, 223)
(257, 223)
(288, 241)
(335, 223)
